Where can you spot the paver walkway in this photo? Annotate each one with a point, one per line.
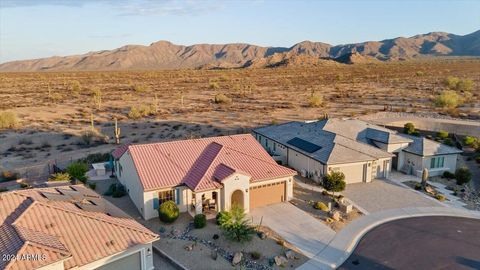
(300, 229)
(344, 242)
(381, 195)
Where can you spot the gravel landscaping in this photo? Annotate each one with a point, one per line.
(306, 198)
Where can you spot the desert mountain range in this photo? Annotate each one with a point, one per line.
(166, 55)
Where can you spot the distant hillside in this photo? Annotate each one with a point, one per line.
(166, 55)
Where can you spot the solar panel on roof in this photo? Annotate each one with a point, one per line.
(304, 145)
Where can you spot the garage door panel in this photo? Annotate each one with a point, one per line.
(267, 194)
(131, 262)
(353, 173)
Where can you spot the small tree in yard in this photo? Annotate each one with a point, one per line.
(463, 175)
(235, 225)
(77, 170)
(334, 182)
(59, 177)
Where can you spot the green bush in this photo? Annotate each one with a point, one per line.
(168, 212)
(320, 206)
(96, 158)
(463, 175)
(477, 159)
(451, 82)
(8, 120)
(255, 255)
(408, 128)
(469, 140)
(116, 190)
(334, 182)
(77, 170)
(448, 100)
(221, 98)
(440, 197)
(236, 227)
(315, 100)
(448, 175)
(465, 85)
(200, 221)
(59, 177)
(92, 185)
(221, 217)
(442, 134)
(418, 186)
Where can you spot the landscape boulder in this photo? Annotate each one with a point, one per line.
(429, 190)
(237, 258)
(289, 254)
(280, 260)
(189, 247)
(335, 215)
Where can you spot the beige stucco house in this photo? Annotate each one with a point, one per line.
(360, 150)
(202, 175)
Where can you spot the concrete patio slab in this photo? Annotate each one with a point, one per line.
(300, 229)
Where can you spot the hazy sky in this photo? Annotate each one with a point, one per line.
(41, 28)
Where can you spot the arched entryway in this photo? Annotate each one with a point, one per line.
(237, 198)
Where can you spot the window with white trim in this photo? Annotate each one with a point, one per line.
(437, 162)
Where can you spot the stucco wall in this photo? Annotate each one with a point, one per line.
(450, 164)
(235, 182)
(129, 178)
(301, 162)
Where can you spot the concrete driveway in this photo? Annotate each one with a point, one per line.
(382, 195)
(300, 229)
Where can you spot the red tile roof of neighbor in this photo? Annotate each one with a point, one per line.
(202, 164)
(118, 152)
(34, 222)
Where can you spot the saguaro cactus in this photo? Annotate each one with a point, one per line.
(117, 132)
(424, 178)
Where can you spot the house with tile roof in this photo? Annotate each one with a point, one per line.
(69, 227)
(360, 150)
(202, 175)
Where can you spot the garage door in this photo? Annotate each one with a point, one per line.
(353, 173)
(267, 194)
(131, 262)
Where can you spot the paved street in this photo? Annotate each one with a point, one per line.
(419, 243)
(308, 234)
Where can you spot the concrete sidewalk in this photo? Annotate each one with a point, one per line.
(344, 242)
(297, 227)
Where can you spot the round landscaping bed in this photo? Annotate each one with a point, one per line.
(419, 243)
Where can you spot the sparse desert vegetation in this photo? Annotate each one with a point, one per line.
(55, 108)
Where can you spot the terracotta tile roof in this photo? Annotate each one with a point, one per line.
(119, 151)
(34, 224)
(202, 163)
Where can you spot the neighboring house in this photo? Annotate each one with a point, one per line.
(69, 227)
(202, 175)
(360, 150)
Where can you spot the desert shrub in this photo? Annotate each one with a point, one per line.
(199, 221)
(315, 100)
(119, 191)
(222, 217)
(96, 158)
(418, 186)
(92, 185)
(134, 113)
(213, 85)
(420, 73)
(141, 111)
(449, 142)
(334, 181)
(463, 175)
(168, 212)
(469, 140)
(9, 176)
(409, 128)
(448, 175)
(465, 85)
(451, 82)
(440, 197)
(320, 206)
(255, 255)
(140, 88)
(77, 170)
(324, 193)
(8, 120)
(448, 99)
(59, 177)
(222, 99)
(75, 86)
(236, 227)
(442, 134)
